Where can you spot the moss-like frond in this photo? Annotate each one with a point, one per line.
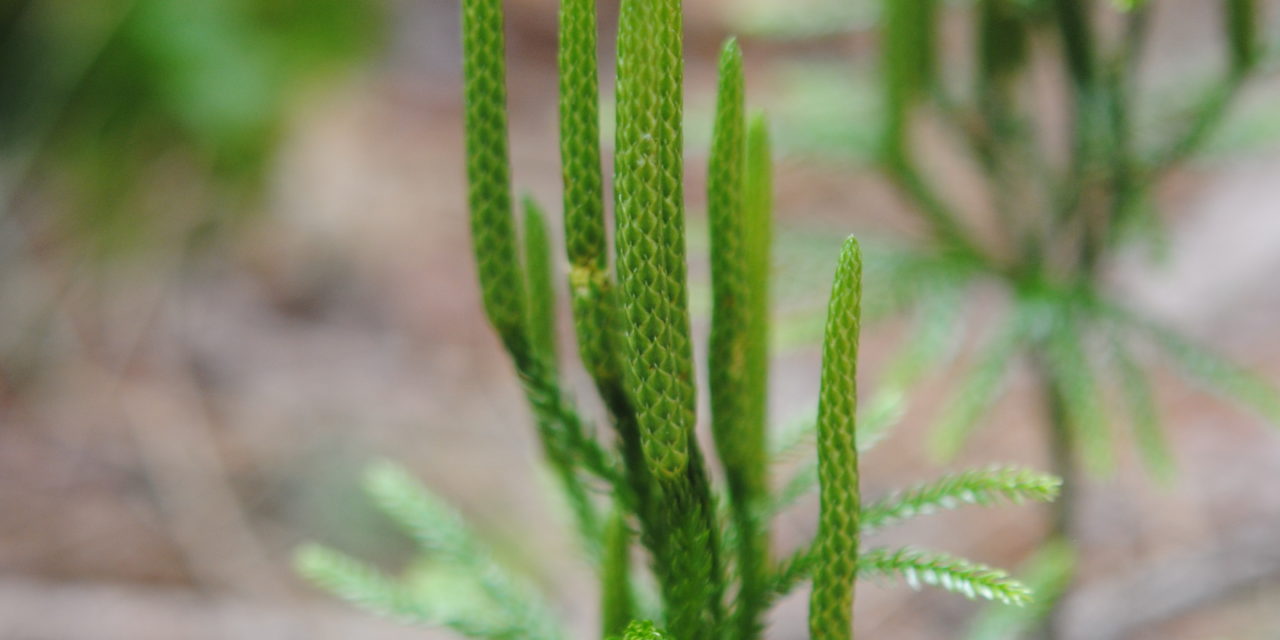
(368, 588)
(956, 575)
(981, 487)
(437, 527)
(1048, 573)
(360, 584)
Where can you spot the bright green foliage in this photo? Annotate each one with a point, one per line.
(831, 603)
(650, 235)
(591, 288)
(941, 570)
(644, 630)
(496, 247)
(653, 296)
(596, 315)
(984, 487)
(493, 231)
(738, 437)
(707, 548)
(758, 211)
(738, 349)
(542, 293)
(753, 534)
(580, 136)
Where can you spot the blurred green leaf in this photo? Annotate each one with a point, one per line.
(1212, 371)
(979, 390)
(1077, 386)
(803, 19)
(123, 100)
(1148, 433)
(829, 110)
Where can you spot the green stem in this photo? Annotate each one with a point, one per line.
(617, 606)
(1076, 30)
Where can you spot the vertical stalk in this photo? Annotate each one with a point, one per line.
(1074, 20)
(909, 32)
(542, 297)
(1003, 49)
(1241, 23)
(737, 348)
(617, 607)
(1128, 189)
(1075, 30)
(592, 295)
(831, 601)
(496, 248)
(753, 534)
(493, 231)
(739, 449)
(654, 303)
(585, 243)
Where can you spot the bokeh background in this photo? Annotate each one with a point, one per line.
(234, 269)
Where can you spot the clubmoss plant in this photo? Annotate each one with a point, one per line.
(1062, 223)
(645, 484)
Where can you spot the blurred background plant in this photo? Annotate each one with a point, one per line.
(105, 100)
(1052, 108)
